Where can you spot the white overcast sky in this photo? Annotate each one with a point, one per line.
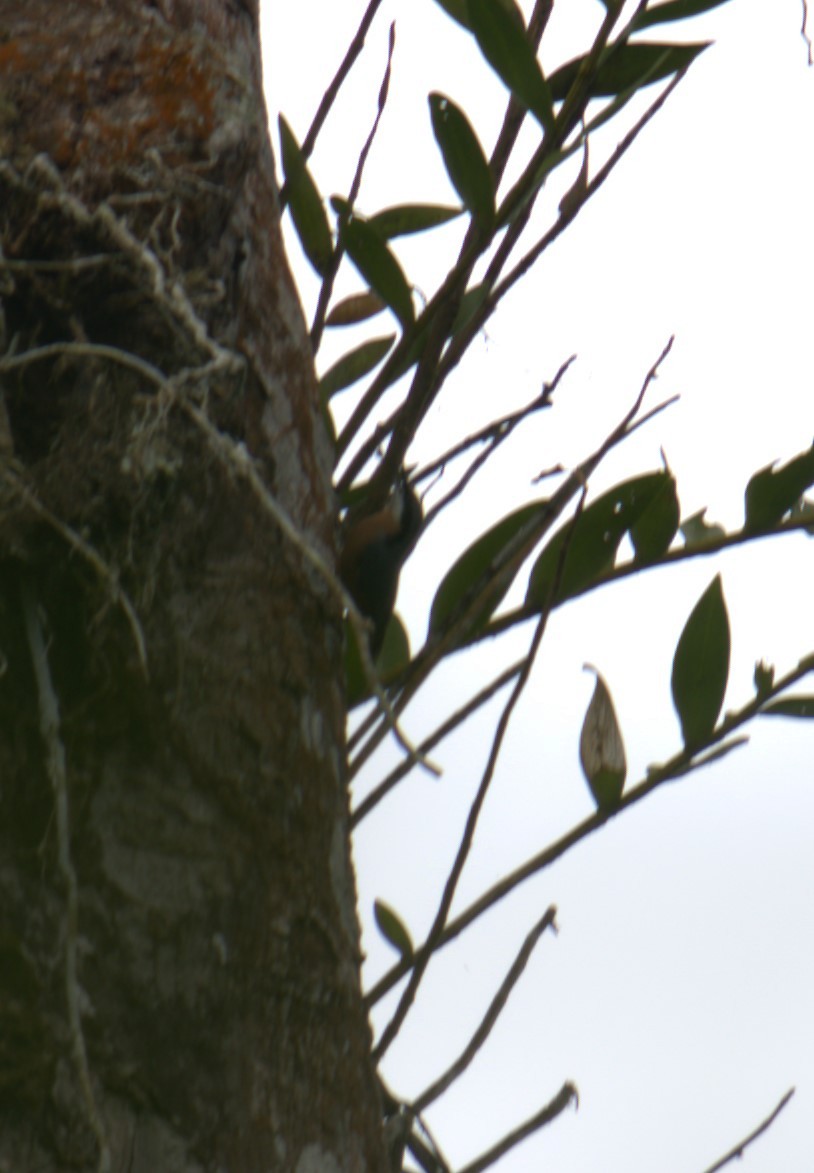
(679, 993)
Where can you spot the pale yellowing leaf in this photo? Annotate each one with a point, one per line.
(601, 749)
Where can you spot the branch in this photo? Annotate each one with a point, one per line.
(682, 763)
(329, 97)
(515, 111)
(740, 1148)
(445, 1081)
(804, 32)
(468, 836)
(55, 750)
(493, 435)
(572, 209)
(395, 776)
(709, 546)
(507, 564)
(564, 1097)
(327, 286)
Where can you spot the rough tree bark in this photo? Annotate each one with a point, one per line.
(179, 981)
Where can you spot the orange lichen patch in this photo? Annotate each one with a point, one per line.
(119, 101)
(179, 92)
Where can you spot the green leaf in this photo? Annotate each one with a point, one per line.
(405, 219)
(473, 567)
(601, 749)
(359, 307)
(675, 10)
(394, 655)
(626, 67)
(393, 658)
(504, 43)
(798, 706)
(773, 492)
(354, 365)
(392, 929)
(701, 666)
(655, 529)
(307, 211)
(592, 540)
(464, 159)
(457, 9)
(696, 531)
(379, 267)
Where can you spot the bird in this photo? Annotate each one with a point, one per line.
(373, 551)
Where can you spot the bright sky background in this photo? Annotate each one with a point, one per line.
(679, 993)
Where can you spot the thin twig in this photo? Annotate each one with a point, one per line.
(566, 1095)
(493, 435)
(468, 836)
(572, 209)
(737, 1152)
(704, 549)
(461, 342)
(684, 762)
(404, 767)
(507, 564)
(326, 289)
(55, 752)
(496, 1006)
(515, 110)
(467, 839)
(804, 31)
(329, 97)
(499, 427)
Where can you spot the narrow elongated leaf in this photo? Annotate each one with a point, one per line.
(392, 929)
(675, 10)
(473, 566)
(601, 749)
(592, 540)
(655, 529)
(359, 307)
(773, 492)
(798, 706)
(504, 43)
(354, 365)
(304, 200)
(701, 666)
(628, 67)
(379, 267)
(464, 159)
(405, 219)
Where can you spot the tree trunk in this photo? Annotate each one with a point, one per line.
(179, 950)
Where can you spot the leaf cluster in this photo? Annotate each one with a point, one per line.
(564, 544)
